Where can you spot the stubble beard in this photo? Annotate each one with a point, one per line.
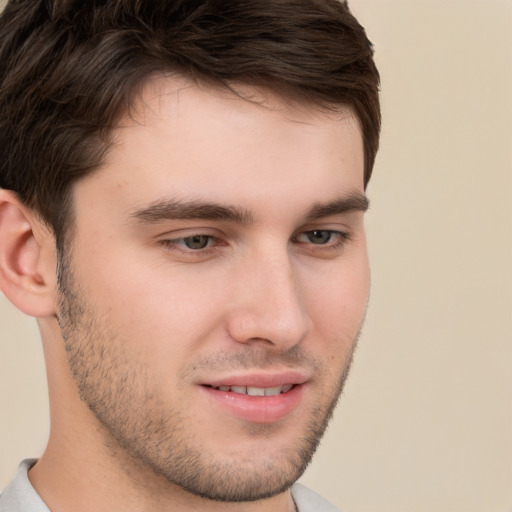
(144, 433)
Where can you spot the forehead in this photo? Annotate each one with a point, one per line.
(190, 139)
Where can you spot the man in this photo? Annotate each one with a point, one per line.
(182, 211)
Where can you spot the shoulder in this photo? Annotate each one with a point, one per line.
(307, 500)
(19, 495)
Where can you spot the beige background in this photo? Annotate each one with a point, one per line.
(425, 424)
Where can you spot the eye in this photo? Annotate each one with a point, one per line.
(195, 242)
(321, 237)
(323, 243)
(191, 245)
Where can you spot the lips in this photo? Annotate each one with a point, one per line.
(259, 380)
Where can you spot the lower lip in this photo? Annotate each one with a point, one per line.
(257, 409)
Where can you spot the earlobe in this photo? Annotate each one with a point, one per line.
(26, 258)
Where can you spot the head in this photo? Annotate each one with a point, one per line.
(200, 168)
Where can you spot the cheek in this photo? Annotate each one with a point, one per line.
(337, 302)
(161, 312)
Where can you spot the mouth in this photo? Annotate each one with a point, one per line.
(255, 391)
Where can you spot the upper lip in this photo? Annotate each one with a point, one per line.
(259, 379)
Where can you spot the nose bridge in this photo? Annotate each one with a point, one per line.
(269, 304)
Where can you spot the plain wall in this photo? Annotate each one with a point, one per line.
(425, 423)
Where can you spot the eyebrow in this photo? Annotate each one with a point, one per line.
(171, 209)
(353, 202)
(191, 210)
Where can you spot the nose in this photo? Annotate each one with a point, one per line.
(268, 303)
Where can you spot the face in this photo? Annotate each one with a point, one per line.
(215, 286)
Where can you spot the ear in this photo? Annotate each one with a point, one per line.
(27, 258)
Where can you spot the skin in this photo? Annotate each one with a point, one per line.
(145, 316)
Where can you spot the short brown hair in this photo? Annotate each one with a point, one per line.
(68, 69)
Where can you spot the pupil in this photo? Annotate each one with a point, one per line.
(197, 242)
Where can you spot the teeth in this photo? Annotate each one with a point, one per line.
(273, 391)
(253, 391)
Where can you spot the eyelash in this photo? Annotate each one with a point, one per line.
(342, 238)
(178, 244)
